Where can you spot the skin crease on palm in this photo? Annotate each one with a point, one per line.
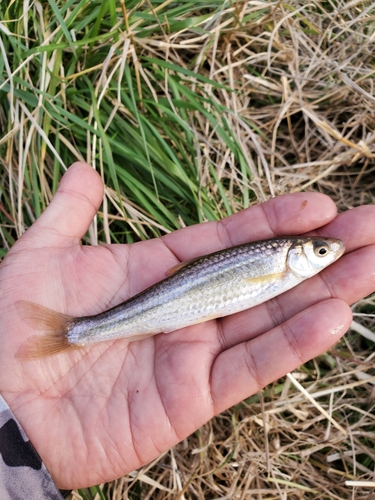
(95, 414)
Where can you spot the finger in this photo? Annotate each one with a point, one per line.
(290, 214)
(72, 208)
(355, 227)
(246, 368)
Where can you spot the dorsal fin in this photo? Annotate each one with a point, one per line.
(177, 267)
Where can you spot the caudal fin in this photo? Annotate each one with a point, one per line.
(54, 324)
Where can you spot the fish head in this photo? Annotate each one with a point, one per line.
(308, 256)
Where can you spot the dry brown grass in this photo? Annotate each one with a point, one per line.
(304, 110)
(304, 113)
(304, 116)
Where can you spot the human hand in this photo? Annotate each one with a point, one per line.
(96, 413)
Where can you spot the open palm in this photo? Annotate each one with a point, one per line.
(96, 413)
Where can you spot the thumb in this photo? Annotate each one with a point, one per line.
(68, 216)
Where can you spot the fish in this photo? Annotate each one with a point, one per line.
(208, 287)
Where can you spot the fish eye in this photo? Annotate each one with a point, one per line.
(321, 249)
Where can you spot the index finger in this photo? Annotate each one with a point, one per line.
(289, 214)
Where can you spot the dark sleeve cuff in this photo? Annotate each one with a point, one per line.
(22, 472)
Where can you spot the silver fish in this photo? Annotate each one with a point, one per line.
(205, 288)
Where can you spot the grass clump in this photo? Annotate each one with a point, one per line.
(191, 112)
